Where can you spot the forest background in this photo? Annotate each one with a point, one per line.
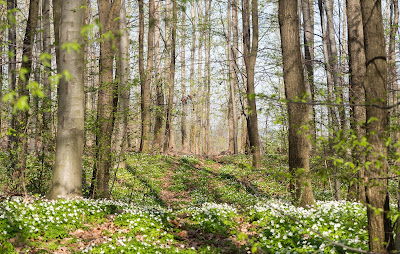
(85, 84)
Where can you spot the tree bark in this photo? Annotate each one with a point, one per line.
(169, 143)
(250, 56)
(192, 77)
(158, 125)
(184, 98)
(207, 82)
(375, 91)
(67, 174)
(108, 14)
(357, 94)
(295, 88)
(144, 87)
(308, 26)
(124, 87)
(232, 80)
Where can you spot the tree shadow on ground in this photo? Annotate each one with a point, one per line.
(152, 192)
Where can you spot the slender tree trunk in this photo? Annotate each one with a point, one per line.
(56, 23)
(232, 105)
(250, 56)
(108, 14)
(12, 78)
(375, 91)
(308, 26)
(184, 98)
(23, 91)
(393, 87)
(159, 84)
(295, 87)
(235, 58)
(200, 80)
(168, 143)
(2, 20)
(207, 81)
(192, 77)
(124, 88)
(67, 174)
(144, 87)
(357, 94)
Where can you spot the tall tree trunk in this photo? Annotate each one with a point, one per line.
(108, 14)
(184, 98)
(250, 56)
(375, 91)
(67, 174)
(2, 13)
(23, 91)
(232, 103)
(158, 135)
(200, 80)
(144, 87)
(12, 78)
(295, 87)
(357, 94)
(192, 86)
(124, 88)
(169, 143)
(56, 23)
(207, 81)
(308, 26)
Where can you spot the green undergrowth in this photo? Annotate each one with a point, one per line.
(163, 204)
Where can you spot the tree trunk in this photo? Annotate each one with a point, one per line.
(23, 91)
(67, 174)
(2, 11)
(250, 56)
(147, 78)
(357, 94)
(308, 26)
(192, 86)
(144, 87)
(295, 87)
(168, 143)
(124, 88)
(375, 91)
(108, 14)
(232, 80)
(159, 84)
(184, 98)
(200, 80)
(207, 82)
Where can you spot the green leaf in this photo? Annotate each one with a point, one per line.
(67, 75)
(69, 46)
(22, 73)
(372, 119)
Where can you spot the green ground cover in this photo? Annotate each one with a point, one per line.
(163, 204)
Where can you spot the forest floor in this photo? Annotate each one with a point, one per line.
(164, 204)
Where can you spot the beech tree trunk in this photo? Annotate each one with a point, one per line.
(184, 98)
(232, 80)
(375, 84)
(67, 173)
(108, 14)
(169, 143)
(158, 135)
(124, 88)
(12, 78)
(207, 81)
(144, 86)
(250, 56)
(192, 85)
(295, 87)
(357, 93)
